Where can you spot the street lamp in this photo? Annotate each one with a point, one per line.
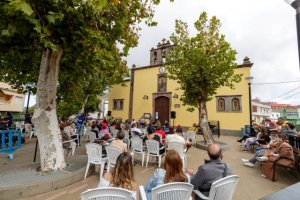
(249, 80)
(296, 4)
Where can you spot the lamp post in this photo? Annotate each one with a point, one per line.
(249, 80)
(296, 4)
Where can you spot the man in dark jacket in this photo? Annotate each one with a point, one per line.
(211, 171)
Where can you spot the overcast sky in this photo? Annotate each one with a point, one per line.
(263, 30)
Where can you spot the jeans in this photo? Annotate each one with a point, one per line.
(259, 153)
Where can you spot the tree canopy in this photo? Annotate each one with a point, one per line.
(203, 63)
(94, 35)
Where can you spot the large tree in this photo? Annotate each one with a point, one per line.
(201, 64)
(75, 47)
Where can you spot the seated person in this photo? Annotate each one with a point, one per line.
(211, 171)
(172, 172)
(27, 128)
(119, 141)
(162, 133)
(284, 150)
(135, 130)
(70, 129)
(261, 138)
(253, 133)
(161, 146)
(103, 143)
(262, 148)
(104, 131)
(290, 129)
(122, 175)
(95, 129)
(65, 137)
(177, 137)
(150, 134)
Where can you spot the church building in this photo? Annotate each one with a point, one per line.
(150, 93)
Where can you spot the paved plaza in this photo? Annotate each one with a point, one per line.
(251, 185)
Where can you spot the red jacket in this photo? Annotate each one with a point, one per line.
(162, 133)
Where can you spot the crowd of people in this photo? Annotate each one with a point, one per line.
(269, 142)
(122, 175)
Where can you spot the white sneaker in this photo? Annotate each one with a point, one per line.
(245, 160)
(263, 175)
(249, 164)
(261, 159)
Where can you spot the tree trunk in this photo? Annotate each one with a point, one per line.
(84, 103)
(44, 117)
(203, 121)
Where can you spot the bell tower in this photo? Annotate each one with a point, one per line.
(158, 55)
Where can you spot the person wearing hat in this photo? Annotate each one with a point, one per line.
(177, 137)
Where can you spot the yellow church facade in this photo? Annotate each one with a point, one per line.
(149, 92)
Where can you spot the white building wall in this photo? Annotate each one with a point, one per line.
(263, 111)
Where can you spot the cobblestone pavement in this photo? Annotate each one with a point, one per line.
(250, 187)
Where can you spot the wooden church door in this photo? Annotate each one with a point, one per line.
(162, 106)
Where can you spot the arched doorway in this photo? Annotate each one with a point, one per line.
(162, 107)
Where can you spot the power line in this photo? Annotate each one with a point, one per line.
(283, 94)
(270, 83)
(290, 96)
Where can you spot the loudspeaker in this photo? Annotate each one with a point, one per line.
(173, 115)
(109, 113)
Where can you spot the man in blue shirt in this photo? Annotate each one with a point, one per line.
(80, 120)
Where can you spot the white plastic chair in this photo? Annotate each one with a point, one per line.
(126, 138)
(137, 147)
(160, 137)
(92, 136)
(179, 147)
(191, 135)
(112, 155)
(221, 189)
(106, 193)
(32, 132)
(72, 146)
(169, 191)
(153, 150)
(114, 132)
(94, 152)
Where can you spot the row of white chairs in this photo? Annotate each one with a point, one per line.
(221, 189)
(152, 147)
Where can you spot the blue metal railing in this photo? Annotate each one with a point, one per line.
(10, 141)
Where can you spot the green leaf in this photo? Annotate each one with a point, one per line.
(51, 19)
(26, 8)
(5, 32)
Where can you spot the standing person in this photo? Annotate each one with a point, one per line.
(211, 171)
(9, 119)
(80, 120)
(122, 175)
(172, 172)
(28, 118)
